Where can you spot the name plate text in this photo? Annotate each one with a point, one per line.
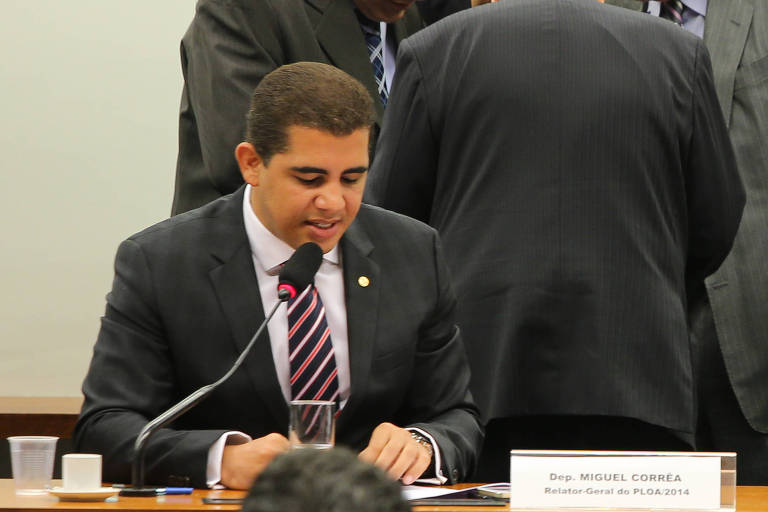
(620, 481)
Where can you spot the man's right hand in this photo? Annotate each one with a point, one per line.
(242, 463)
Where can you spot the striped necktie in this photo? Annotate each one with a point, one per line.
(672, 10)
(310, 351)
(376, 55)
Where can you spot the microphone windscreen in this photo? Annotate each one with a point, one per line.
(300, 269)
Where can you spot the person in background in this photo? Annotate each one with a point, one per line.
(575, 161)
(730, 322)
(375, 332)
(232, 44)
(324, 481)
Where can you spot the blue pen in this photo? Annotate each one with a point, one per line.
(175, 490)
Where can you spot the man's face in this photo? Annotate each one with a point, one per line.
(383, 10)
(312, 191)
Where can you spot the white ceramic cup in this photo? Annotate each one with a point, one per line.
(81, 471)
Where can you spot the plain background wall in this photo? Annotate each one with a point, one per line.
(89, 96)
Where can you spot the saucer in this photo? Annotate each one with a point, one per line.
(99, 494)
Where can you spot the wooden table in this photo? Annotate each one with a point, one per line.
(56, 416)
(749, 499)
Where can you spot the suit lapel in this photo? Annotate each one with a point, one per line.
(337, 24)
(727, 26)
(362, 299)
(237, 289)
(399, 30)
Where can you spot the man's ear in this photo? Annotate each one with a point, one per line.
(250, 163)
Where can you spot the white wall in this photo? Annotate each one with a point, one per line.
(89, 94)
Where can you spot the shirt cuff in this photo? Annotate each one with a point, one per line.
(438, 479)
(216, 452)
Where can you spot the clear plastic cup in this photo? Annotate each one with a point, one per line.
(32, 463)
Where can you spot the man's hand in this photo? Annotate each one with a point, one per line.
(242, 463)
(392, 449)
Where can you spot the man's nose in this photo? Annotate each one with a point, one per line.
(330, 198)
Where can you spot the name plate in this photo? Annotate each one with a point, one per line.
(650, 480)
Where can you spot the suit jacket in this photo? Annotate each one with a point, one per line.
(736, 34)
(229, 47)
(635, 5)
(575, 208)
(435, 10)
(185, 302)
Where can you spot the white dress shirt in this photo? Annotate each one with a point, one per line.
(694, 15)
(269, 252)
(389, 55)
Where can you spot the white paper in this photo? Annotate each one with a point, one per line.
(417, 492)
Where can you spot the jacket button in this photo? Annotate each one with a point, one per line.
(455, 474)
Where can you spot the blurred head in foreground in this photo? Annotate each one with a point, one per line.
(324, 481)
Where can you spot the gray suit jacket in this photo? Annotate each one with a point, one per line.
(229, 47)
(576, 210)
(736, 35)
(185, 302)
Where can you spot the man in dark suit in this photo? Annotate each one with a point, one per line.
(575, 162)
(731, 322)
(189, 293)
(230, 46)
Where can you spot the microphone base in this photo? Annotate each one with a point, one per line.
(139, 492)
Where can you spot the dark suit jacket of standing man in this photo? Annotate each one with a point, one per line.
(229, 47)
(736, 34)
(185, 302)
(435, 10)
(574, 159)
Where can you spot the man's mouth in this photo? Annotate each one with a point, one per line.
(321, 225)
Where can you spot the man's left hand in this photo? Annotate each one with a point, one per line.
(394, 450)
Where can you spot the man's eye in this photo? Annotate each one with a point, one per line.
(308, 181)
(350, 179)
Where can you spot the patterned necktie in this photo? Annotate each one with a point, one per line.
(310, 351)
(672, 10)
(376, 55)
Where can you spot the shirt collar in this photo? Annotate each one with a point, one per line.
(367, 24)
(699, 6)
(269, 250)
(372, 27)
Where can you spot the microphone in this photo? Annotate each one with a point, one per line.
(299, 270)
(297, 273)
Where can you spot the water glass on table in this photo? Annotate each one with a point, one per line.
(312, 424)
(32, 463)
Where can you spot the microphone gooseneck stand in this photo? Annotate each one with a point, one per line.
(297, 274)
(139, 448)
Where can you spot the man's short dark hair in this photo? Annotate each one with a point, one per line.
(308, 94)
(324, 481)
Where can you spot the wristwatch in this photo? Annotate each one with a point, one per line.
(423, 441)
